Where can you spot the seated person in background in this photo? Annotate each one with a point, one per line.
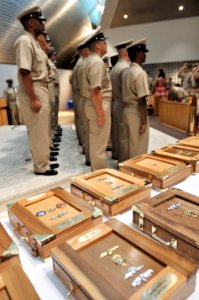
(170, 83)
(159, 90)
(185, 74)
(195, 79)
(178, 93)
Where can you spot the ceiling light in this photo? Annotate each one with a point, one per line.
(181, 7)
(125, 16)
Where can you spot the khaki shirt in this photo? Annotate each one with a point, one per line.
(96, 75)
(80, 75)
(186, 79)
(51, 71)
(116, 78)
(10, 94)
(31, 57)
(75, 82)
(134, 83)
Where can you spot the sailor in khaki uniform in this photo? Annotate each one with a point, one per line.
(10, 94)
(76, 95)
(52, 57)
(83, 121)
(33, 89)
(43, 40)
(97, 91)
(135, 89)
(118, 130)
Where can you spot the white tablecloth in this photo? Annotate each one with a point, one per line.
(41, 274)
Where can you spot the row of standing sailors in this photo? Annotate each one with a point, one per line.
(126, 122)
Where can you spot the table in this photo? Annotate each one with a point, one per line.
(41, 274)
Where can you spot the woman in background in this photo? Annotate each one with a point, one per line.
(159, 90)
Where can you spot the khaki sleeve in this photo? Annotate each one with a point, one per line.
(24, 55)
(96, 74)
(142, 86)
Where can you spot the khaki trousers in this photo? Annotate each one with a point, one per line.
(98, 135)
(52, 104)
(56, 109)
(114, 133)
(84, 128)
(13, 112)
(121, 136)
(76, 98)
(38, 126)
(137, 143)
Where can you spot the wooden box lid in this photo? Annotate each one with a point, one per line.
(175, 211)
(157, 169)
(49, 216)
(110, 186)
(98, 262)
(192, 141)
(14, 284)
(187, 154)
(9, 253)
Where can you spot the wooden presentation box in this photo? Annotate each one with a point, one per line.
(162, 172)
(110, 190)
(172, 218)
(46, 219)
(9, 254)
(189, 155)
(15, 285)
(114, 261)
(192, 141)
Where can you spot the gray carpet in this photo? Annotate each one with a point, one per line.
(17, 179)
(155, 123)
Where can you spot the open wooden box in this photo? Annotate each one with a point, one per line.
(189, 155)
(15, 285)
(162, 172)
(113, 261)
(171, 218)
(9, 254)
(110, 190)
(192, 141)
(46, 219)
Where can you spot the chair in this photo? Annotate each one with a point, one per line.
(178, 115)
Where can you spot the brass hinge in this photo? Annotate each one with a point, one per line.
(136, 208)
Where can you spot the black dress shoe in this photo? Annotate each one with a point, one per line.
(87, 163)
(57, 140)
(55, 145)
(53, 158)
(53, 153)
(108, 148)
(114, 157)
(57, 134)
(54, 148)
(48, 173)
(58, 129)
(54, 166)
